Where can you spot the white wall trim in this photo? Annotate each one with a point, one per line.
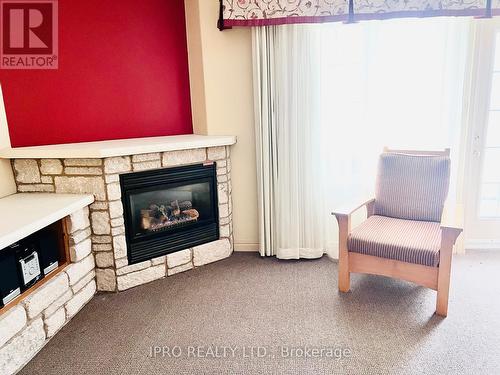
(254, 248)
(7, 183)
(482, 244)
(246, 247)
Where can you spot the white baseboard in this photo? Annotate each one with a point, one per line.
(246, 247)
(482, 245)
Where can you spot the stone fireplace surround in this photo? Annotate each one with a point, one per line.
(97, 249)
(105, 235)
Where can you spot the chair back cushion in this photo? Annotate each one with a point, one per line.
(412, 187)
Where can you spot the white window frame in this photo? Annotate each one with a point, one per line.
(480, 232)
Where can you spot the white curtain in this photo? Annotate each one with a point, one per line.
(287, 105)
(328, 98)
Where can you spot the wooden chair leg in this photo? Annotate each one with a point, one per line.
(443, 289)
(344, 274)
(442, 300)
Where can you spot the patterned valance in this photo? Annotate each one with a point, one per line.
(277, 12)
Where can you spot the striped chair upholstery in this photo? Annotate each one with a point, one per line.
(412, 187)
(409, 241)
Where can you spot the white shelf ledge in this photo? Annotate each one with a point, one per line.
(121, 147)
(25, 213)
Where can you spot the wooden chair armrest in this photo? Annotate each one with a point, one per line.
(450, 233)
(349, 210)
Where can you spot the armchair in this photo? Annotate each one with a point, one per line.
(404, 235)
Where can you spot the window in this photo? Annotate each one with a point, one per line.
(395, 83)
(489, 206)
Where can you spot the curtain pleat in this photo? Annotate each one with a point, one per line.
(264, 120)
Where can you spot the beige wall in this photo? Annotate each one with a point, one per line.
(7, 185)
(222, 101)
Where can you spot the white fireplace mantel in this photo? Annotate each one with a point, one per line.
(121, 147)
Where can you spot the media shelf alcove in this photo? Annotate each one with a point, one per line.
(43, 240)
(60, 233)
(167, 210)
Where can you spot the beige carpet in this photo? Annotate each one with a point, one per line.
(246, 301)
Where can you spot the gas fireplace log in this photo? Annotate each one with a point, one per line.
(158, 217)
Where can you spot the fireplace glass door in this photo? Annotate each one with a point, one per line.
(170, 209)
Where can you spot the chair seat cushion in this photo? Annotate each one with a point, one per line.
(410, 241)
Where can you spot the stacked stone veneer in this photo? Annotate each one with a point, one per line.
(100, 177)
(26, 327)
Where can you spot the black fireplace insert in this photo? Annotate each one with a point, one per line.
(168, 210)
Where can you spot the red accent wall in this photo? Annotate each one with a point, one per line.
(123, 73)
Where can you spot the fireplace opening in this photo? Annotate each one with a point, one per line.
(168, 210)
